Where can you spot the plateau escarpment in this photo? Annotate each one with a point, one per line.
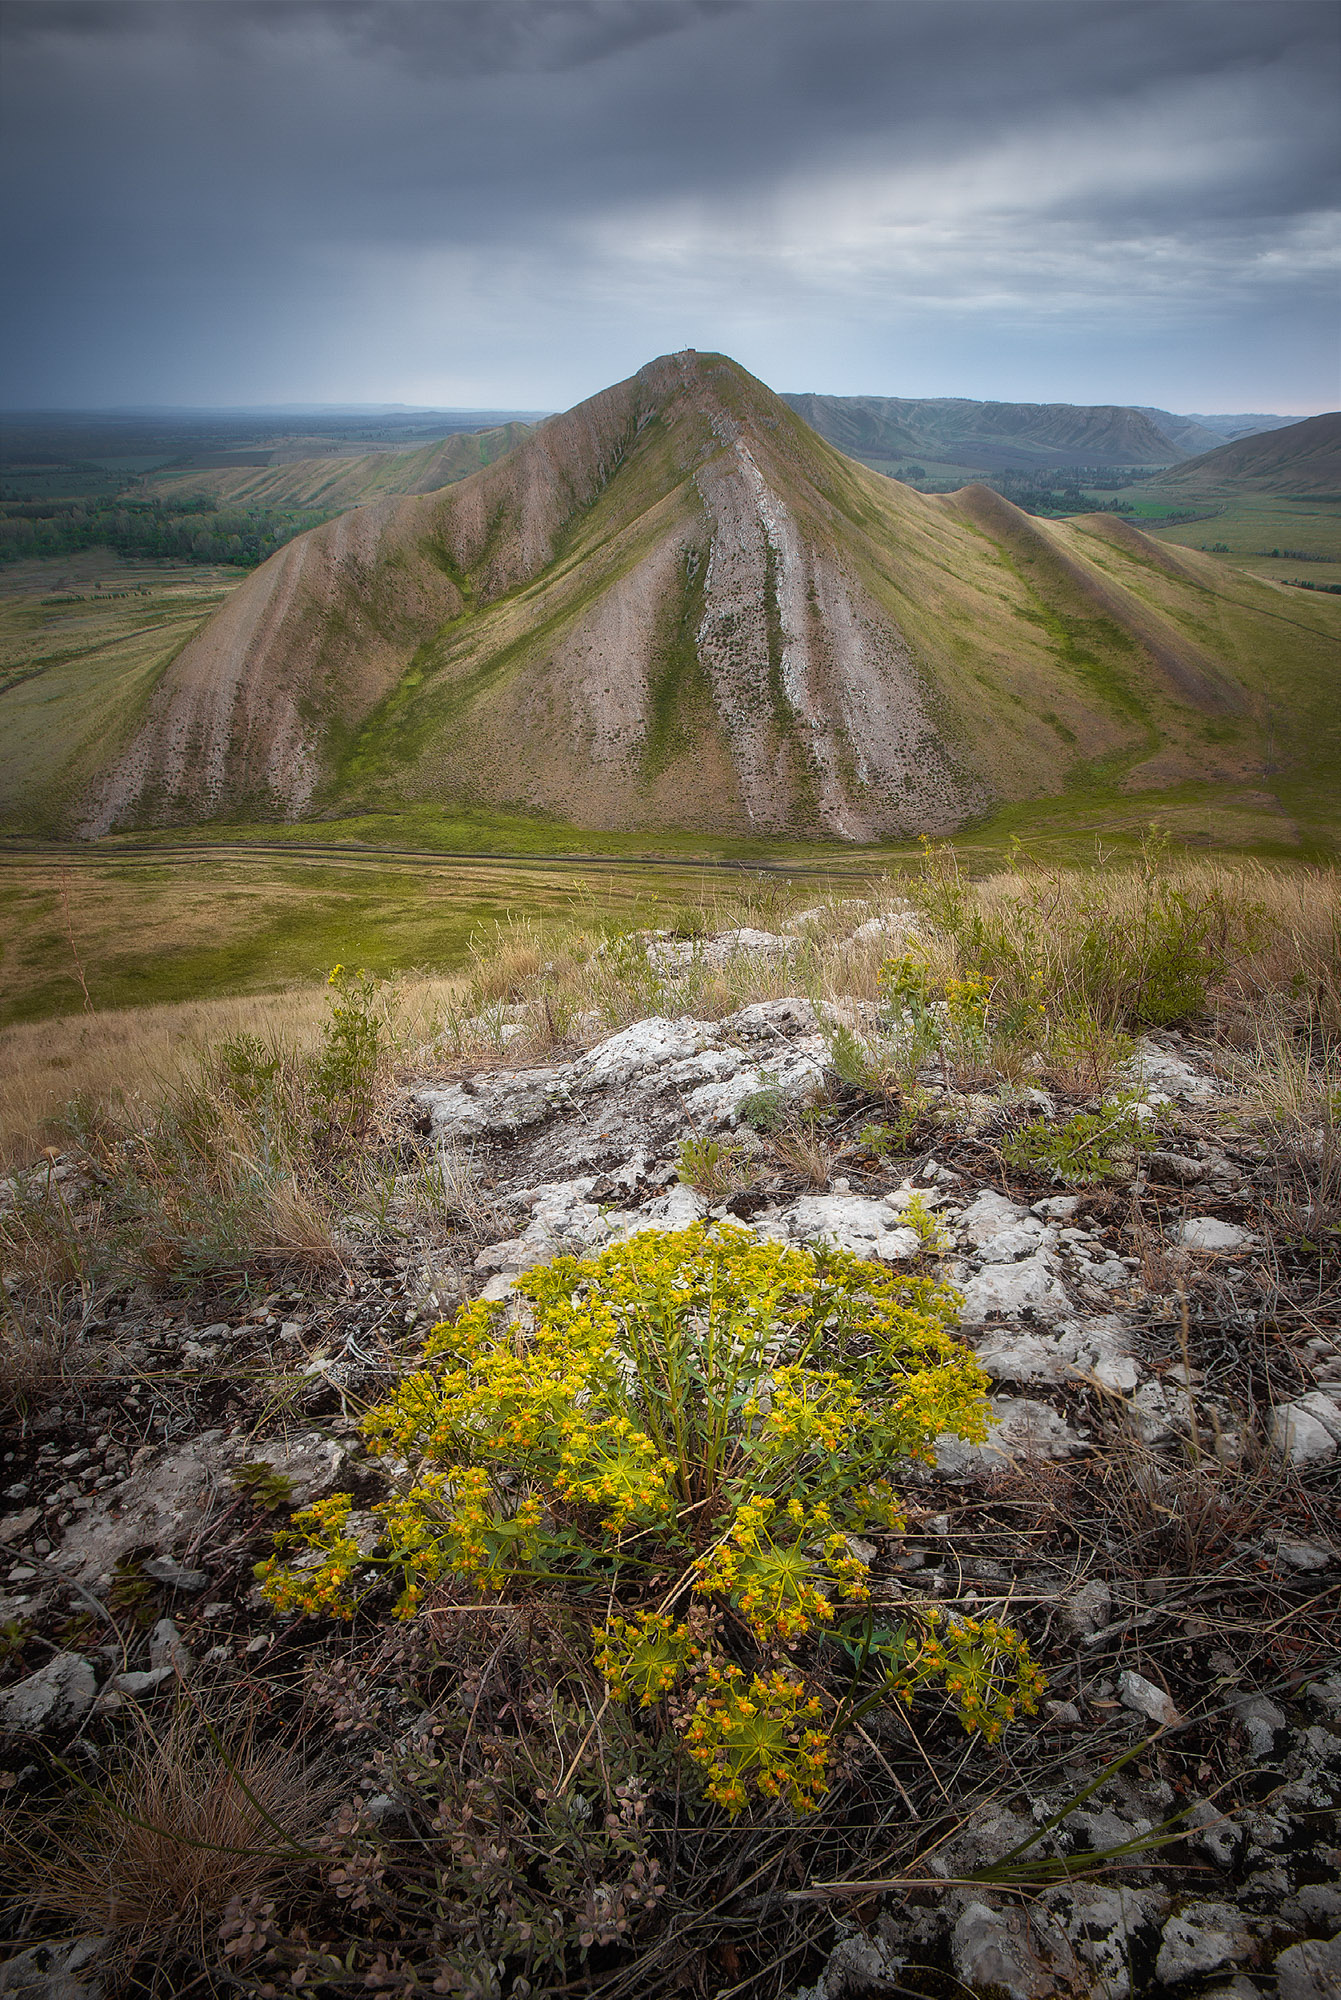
(675, 605)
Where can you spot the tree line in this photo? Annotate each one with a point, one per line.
(191, 529)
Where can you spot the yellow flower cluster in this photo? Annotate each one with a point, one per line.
(694, 1404)
(758, 1736)
(768, 1568)
(643, 1657)
(985, 1667)
(318, 1583)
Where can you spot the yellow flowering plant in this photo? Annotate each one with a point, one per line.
(690, 1424)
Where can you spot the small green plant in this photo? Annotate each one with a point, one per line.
(131, 1594)
(893, 1133)
(1091, 1146)
(352, 1050)
(691, 1431)
(929, 1229)
(764, 1110)
(263, 1486)
(716, 1167)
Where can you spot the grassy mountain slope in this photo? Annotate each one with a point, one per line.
(952, 430)
(677, 606)
(336, 482)
(1301, 460)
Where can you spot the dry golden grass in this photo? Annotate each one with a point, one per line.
(152, 1853)
(135, 1053)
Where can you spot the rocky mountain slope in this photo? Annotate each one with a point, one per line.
(675, 605)
(988, 437)
(1301, 461)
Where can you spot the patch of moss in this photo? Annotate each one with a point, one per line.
(679, 690)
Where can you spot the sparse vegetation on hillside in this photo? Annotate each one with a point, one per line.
(675, 1687)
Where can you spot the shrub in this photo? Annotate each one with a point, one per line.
(1091, 1146)
(681, 1448)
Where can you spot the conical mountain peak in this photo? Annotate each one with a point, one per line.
(675, 605)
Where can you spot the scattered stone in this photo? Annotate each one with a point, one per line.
(1202, 1938)
(167, 1648)
(56, 1971)
(57, 1695)
(1310, 1971)
(162, 1569)
(1153, 1067)
(1264, 1722)
(1208, 1232)
(14, 1527)
(1136, 1692)
(1087, 1610)
(1308, 1431)
(140, 1684)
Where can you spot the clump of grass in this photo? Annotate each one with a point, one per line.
(715, 1167)
(151, 1853)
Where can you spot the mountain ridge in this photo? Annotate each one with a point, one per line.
(1299, 460)
(676, 605)
(992, 436)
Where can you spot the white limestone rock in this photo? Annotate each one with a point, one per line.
(1101, 1923)
(796, 1075)
(868, 1228)
(1011, 1290)
(1308, 1431)
(1022, 1428)
(990, 1216)
(58, 1694)
(1309, 1971)
(152, 1508)
(647, 1045)
(765, 1020)
(1202, 1938)
(1152, 1067)
(994, 1952)
(1208, 1232)
(313, 1464)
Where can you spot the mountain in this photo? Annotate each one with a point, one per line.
(1240, 423)
(675, 605)
(1302, 461)
(1190, 434)
(332, 480)
(988, 437)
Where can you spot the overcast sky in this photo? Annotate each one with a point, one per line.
(511, 203)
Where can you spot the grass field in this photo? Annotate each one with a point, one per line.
(1249, 528)
(83, 639)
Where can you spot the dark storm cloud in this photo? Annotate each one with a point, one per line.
(444, 200)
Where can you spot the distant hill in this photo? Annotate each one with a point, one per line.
(1301, 461)
(677, 606)
(989, 437)
(337, 481)
(1241, 423)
